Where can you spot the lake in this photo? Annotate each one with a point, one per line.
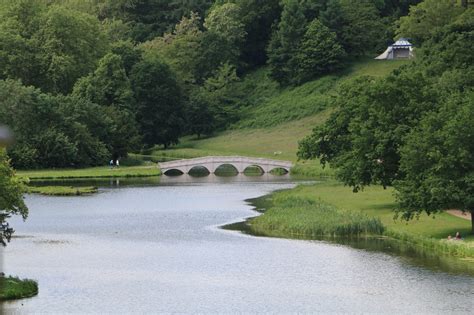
(155, 245)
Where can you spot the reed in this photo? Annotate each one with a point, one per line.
(301, 217)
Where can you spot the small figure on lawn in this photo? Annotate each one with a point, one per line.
(458, 236)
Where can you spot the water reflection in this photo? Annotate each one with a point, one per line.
(171, 180)
(154, 245)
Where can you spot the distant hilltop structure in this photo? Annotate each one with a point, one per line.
(401, 49)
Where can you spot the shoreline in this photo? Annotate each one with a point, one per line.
(402, 232)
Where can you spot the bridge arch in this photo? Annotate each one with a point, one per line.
(198, 171)
(212, 163)
(279, 171)
(255, 166)
(226, 169)
(173, 172)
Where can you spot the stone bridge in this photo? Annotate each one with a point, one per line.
(211, 163)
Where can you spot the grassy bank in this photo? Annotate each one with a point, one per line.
(92, 172)
(311, 204)
(303, 217)
(62, 190)
(14, 288)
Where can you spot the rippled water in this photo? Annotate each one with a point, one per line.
(158, 248)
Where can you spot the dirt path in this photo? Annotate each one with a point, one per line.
(460, 214)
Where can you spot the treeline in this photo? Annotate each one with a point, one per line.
(413, 129)
(83, 81)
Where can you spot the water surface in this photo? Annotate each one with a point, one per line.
(157, 247)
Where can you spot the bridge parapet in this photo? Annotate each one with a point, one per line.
(211, 163)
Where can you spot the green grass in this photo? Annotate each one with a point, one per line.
(303, 217)
(14, 288)
(92, 172)
(265, 104)
(62, 190)
(276, 119)
(375, 202)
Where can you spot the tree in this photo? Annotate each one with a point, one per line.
(193, 54)
(437, 161)
(11, 198)
(224, 20)
(159, 102)
(361, 138)
(108, 85)
(362, 30)
(319, 52)
(72, 43)
(180, 49)
(427, 18)
(285, 42)
(221, 99)
(258, 16)
(59, 131)
(49, 47)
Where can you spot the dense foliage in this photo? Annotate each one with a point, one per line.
(413, 128)
(83, 82)
(11, 198)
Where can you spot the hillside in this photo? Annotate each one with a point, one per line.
(274, 119)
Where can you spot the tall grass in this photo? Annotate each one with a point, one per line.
(301, 217)
(15, 288)
(444, 247)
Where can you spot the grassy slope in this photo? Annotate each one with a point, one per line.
(276, 119)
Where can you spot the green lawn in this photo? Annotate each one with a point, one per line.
(92, 172)
(304, 217)
(379, 202)
(265, 104)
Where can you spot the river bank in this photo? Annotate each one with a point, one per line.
(91, 172)
(316, 212)
(13, 288)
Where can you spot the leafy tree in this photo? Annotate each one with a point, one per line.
(56, 131)
(258, 16)
(11, 198)
(49, 47)
(225, 21)
(193, 54)
(319, 52)
(426, 18)
(333, 17)
(20, 50)
(362, 30)
(159, 102)
(108, 85)
(199, 119)
(72, 44)
(152, 18)
(181, 49)
(285, 42)
(437, 161)
(361, 139)
(54, 149)
(128, 52)
(220, 97)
